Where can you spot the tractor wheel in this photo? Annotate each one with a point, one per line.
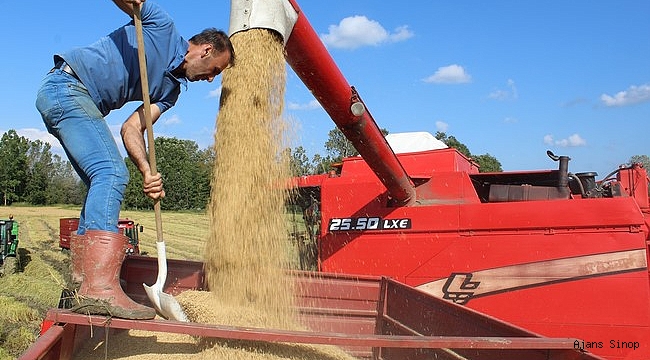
(10, 266)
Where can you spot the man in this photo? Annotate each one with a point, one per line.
(84, 86)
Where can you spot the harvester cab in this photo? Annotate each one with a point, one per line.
(8, 246)
(131, 230)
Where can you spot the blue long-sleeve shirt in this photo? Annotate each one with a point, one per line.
(110, 70)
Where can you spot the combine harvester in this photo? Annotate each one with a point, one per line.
(420, 256)
(557, 253)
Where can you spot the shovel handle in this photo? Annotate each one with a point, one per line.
(144, 80)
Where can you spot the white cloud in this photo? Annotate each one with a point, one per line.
(401, 33)
(441, 126)
(510, 94)
(314, 104)
(633, 95)
(452, 74)
(37, 134)
(216, 93)
(172, 120)
(574, 140)
(356, 31)
(42, 135)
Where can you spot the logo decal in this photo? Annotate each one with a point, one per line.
(368, 223)
(463, 287)
(459, 288)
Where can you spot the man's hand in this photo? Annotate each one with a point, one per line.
(127, 5)
(153, 186)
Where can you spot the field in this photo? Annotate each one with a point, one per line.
(43, 269)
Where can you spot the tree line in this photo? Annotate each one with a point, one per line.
(338, 147)
(30, 173)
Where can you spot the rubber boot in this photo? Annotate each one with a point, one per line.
(76, 242)
(100, 292)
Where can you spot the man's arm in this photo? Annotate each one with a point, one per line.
(133, 138)
(127, 5)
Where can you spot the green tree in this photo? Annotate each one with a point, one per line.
(338, 146)
(486, 162)
(13, 162)
(320, 164)
(452, 142)
(186, 173)
(65, 185)
(189, 187)
(39, 173)
(134, 197)
(641, 159)
(299, 162)
(206, 160)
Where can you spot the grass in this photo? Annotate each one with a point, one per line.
(44, 268)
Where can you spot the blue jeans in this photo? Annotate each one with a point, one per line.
(70, 114)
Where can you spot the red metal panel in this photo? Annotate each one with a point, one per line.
(634, 182)
(405, 310)
(46, 347)
(57, 343)
(181, 275)
(591, 213)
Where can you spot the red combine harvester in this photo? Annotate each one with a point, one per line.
(557, 253)
(420, 256)
(517, 246)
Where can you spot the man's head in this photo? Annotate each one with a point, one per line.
(209, 53)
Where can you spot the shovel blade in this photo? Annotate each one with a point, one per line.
(171, 309)
(166, 305)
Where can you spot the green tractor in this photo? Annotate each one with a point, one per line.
(9, 259)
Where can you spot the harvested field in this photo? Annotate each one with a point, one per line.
(27, 295)
(43, 269)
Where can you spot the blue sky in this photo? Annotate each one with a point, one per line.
(508, 78)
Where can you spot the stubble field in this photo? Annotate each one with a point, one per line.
(43, 268)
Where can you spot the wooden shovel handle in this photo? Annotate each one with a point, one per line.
(144, 80)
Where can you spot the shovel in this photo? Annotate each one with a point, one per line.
(165, 304)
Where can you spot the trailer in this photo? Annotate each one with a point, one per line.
(369, 317)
